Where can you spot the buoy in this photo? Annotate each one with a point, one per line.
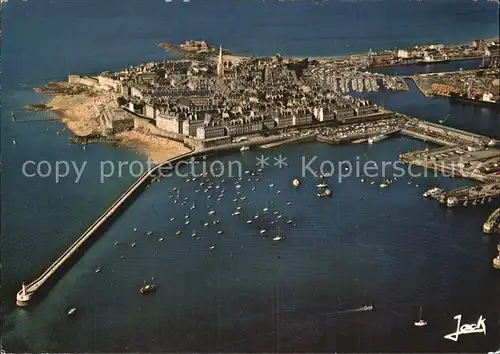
(296, 182)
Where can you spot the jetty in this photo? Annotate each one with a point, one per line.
(27, 292)
(492, 223)
(62, 264)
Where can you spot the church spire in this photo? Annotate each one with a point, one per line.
(220, 64)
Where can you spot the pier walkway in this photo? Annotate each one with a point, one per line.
(492, 223)
(28, 291)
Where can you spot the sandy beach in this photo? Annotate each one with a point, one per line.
(80, 114)
(156, 148)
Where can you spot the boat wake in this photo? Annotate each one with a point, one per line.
(359, 309)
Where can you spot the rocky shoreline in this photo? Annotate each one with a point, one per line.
(76, 106)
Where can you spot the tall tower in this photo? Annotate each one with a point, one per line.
(220, 64)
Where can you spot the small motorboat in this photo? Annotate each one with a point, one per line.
(72, 311)
(326, 193)
(98, 269)
(147, 288)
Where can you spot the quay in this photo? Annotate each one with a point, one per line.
(492, 224)
(298, 139)
(356, 137)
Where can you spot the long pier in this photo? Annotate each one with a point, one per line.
(492, 223)
(27, 292)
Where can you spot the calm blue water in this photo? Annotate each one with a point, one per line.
(394, 250)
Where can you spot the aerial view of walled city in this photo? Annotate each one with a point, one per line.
(275, 176)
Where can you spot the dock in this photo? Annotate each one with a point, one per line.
(492, 224)
(470, 196)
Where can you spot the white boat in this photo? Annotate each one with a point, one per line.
(496, 260)
(72, 311)
(212, 247)
(433, 192)
(236, 213)
(220, 232)
(383, 185)
(420, 322)
(278, 237)
(160, 239)
(98, 269)
(376, 138)
(244, 148)
(322, 184)
(262, 232)
(452, 201)
(296, 182)
(326, 193)
(211, 212)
